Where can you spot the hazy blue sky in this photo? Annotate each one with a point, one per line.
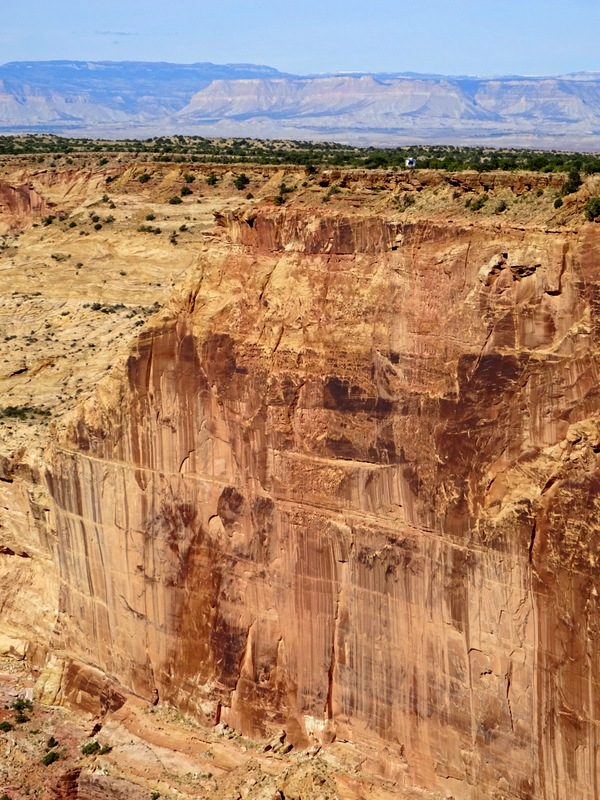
(460, 37)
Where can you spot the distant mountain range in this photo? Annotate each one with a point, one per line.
(140, 99)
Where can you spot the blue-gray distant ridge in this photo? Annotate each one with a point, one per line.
(105, 99)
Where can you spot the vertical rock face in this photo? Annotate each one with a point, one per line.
(349, 486)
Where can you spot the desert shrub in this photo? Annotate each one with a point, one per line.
(406, 201)
(185, 191)
(144, 177)
(175, 201)
(479, 203)
(6, 726)
(241, 181)
(23, 412)
(592, 208)
(279, 200)
(106, 308)
(572, 183)
(500, 207)
(90, 748)
(212, 179)
(21, 703)
(50, 758)
(148, 229)
(51, 743)
(188, 178)
(558, 202)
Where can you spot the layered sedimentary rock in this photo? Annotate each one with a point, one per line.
(346, 484)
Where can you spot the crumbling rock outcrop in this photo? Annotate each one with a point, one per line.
(347, 486)
(19, 205)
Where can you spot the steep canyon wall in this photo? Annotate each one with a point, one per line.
(347, 484)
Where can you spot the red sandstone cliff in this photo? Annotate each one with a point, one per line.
(344, 484)
(348, 485)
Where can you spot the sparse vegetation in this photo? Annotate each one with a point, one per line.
(6, 726)
(106, 308)
(185, 191)
(174, 201)
(90, 748)
(50, 758)
(478, 203)
(592, 209)
(406, 201)
(572, 183)
(148, 228)
(309, 155)
(241, 181)
(23, 413)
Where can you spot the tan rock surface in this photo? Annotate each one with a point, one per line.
(343, 484)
